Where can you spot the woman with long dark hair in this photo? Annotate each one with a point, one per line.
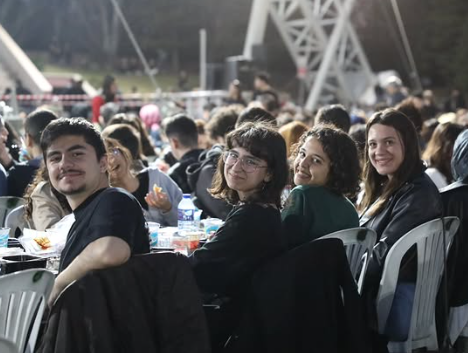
(399, 196)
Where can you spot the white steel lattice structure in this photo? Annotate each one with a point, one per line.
(320, 39)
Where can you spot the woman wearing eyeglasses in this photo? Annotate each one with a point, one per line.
(326, 170)
(251, 176)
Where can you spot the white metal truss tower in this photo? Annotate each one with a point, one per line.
(321, 41)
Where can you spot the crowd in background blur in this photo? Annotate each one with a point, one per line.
(404, 146)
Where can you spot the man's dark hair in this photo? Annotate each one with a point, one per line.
(269, 101)
(334, 114)
(36, 122)
(222, 122)
(183, 128)
(255, 115)
(74, 127)
(264, 76)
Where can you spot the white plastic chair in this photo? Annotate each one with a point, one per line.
(23, 298)
(430, 246)
(358, 243)
(7, 204)
(6, 346)
(15, 219)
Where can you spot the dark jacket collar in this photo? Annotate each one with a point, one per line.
(455, 185)
(190, 155)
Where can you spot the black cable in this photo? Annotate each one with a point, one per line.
(395, 37)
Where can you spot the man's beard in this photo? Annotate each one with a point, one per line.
(78, 190)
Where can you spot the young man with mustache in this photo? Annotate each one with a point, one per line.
(109, 224)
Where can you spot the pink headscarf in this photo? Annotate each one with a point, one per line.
(150, 115)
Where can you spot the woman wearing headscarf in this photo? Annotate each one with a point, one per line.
(455, 200)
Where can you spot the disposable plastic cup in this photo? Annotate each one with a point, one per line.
(193, 239)
(153, 233)
(4, 232)
(211, 226)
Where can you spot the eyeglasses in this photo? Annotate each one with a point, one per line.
(115, 151)
(249, 165)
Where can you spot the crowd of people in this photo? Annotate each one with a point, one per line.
(277, 177)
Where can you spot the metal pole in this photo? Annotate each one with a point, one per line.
(257, 26)
(203, 59)
(328, 56)
(409, 53)
(135, 44)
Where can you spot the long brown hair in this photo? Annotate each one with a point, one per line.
(440, 147)
(42, 175)
(380, 186)
(264, 142)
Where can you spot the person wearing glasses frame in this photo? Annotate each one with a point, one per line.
(251, 176)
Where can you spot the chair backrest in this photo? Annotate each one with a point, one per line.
(358, 243)
(15, 219)
(7, 204)
(429, 239)
(6, 346)
(23, 297)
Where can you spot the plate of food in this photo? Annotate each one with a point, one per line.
(42, 243)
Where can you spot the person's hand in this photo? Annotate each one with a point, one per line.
(159, 200)
(162, 166)
(5, 157)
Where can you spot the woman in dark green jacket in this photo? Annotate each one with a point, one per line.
(326, 170)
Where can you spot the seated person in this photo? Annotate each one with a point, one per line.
(326, 170)
(109, 223)
(200, 175)
(399, 196)
(147, 148)
(251, 176)
(182, 133)
(158, 194)
(3, 180)
(9, 144)
(438, 153)
(45, 206)
(21, 174)
(455, 200)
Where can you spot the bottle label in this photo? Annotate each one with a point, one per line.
(186, 215)
(186, 219)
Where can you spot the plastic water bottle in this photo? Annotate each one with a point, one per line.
(186, 214)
